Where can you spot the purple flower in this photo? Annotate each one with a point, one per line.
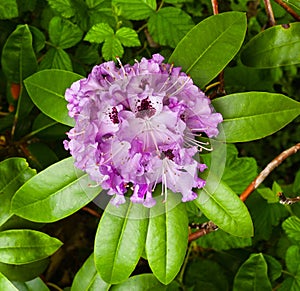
(137, 127)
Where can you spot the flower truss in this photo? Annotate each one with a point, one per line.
(136, 127)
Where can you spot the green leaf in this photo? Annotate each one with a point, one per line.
(120, 241)
(143, 282)
(99, 33)
(292, 282)
(112, 48)
(63, 7)
(252, 275)
(169, 25)
(275, 46)
(201, 275)
(128, 37)
(47, 88)
(168, 223)
(18, 57)
(221, 205)
(36, 284)
(22, 246)
(135, 9)
(88, 279)
(238, 171)
(206, 49)
(14, 172)
(38, 39)
(274, 268)
(249, 116)
(24, 272)
(220, 240)
(8, 9)
(56, 58)
(6, 285)
(63, 33)
(94, 4)
(295, 3)
(55, 193)
(292, 228)
(265, 215)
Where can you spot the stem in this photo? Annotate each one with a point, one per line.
(205, 228)
(270, 13)
(91, 211)
(215, 6)
(288, 9)
(267, 170)
(186, 259)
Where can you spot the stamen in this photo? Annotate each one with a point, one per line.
(182, 86)
(122, 67)
(193, 142)
(73, 134)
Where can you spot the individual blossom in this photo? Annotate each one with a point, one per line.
(137, 126)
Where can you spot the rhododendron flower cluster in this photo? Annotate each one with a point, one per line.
(137, 126)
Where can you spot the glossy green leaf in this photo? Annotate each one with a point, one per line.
(33, 285)
(47, 88)
(55, 193)
(14, 172)
(128, 37)
(24, 272)
(167, 238)
(221, 205)
(169, 25)
(252, 275)
(56, 58)
(275, 46)
(99, 33)
(292, 228)
(135, 9)
(207, 48)
(63, 33)
(38, 39)
(8, 9)
(6, 285)
(292, 281)
(120, 241)
(143, 282)
(112, 48)
(88, 279)
(18, 57)
(254, 115)
(22, 246)
(63, 7)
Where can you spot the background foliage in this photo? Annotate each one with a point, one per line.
(46, 46)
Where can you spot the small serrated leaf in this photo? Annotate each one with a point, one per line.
(63, 7)
(112, 48)
(169, 25)
(128, 37)
(8, 9)
(292, 228)
(99, 33)
(56, 58)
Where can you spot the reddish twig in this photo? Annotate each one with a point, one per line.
(288, 201)
(215, 6)
(204, 229)
(91, 211)
(268, 169)
(269, 12)
(288, 9)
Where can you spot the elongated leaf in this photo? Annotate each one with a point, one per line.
(14, 172)
(209, 46)
(88, 279)
(252, 275)
(47, 89)
(55, 193)
(135, 9)
(6, 285)
(24, 272)
(36, 284)
(276, 46)
(63, 33)
(292, 228)
(254, 115)
(167, 238)
(18, 57)
(169, 25)
(220, 204)
(120, 241)
(143, 282)
(22, 246)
